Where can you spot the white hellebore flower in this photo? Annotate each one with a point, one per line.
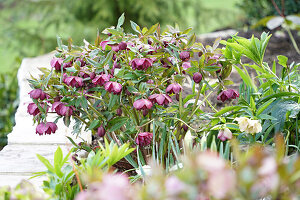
(249, 125)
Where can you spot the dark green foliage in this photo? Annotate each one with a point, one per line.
(258, 9)
(8, 104)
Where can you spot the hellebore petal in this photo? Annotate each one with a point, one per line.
(74, 81)
(227, 95)
(101, 79)
(142, 104)
(56, 63)
(122, 46)
(160, 99)
(38, 94)
(174, 88)
(186, 65)
(225, 134)
(113, 87)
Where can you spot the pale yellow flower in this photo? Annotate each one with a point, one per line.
(249, 125)
(243, 123)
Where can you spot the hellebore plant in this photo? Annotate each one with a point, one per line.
(129, 88)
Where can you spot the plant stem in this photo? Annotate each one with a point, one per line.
(96, 111)
(80, 119)
(293, 40)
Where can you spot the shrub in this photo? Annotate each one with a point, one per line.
(129, 88)
(8, 104)
(256, 10)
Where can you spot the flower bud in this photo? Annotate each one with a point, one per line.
(144, 139)
(101, 131)
(197, 77)
(119, 112)
(185, 127)
(184, 56)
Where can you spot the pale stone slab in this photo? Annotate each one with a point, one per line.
(19, 162)
(18, 159)
(24, 130)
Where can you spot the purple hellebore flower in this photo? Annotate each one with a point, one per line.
(101, 131)
(47, 128)
(197, 77)
(174, 88)
(160, 99)
(122, 45)
(103, 44)
(141, 63)
(113, 87)
(34, 110)
(74, 81)
(184, 56)
(144, 139)
(68, 64)
(61, 108)
(114, 47)
(38, 94)
(56, 63)
(227, 95)
(150, 81)
(186, 65)
(101, 79)
(142, 104)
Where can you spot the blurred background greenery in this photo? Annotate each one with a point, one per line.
(29, 28)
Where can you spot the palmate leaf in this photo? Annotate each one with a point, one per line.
(279, 110)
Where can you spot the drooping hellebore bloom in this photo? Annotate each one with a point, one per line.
(184, 56)
(48, 128)
(101, 79)
(160, 99)
(227, 95)
(74, 81)
(225, 134)
(34, 110)
(101, 131)
(56, 63)
(174, 88)
(62, 109)
(144, 139)
(197, 77)
(38, 94)
(186, 65)
(249, 125)
(113, 87)
(142, 104)
(122, 46)
(141, 63)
